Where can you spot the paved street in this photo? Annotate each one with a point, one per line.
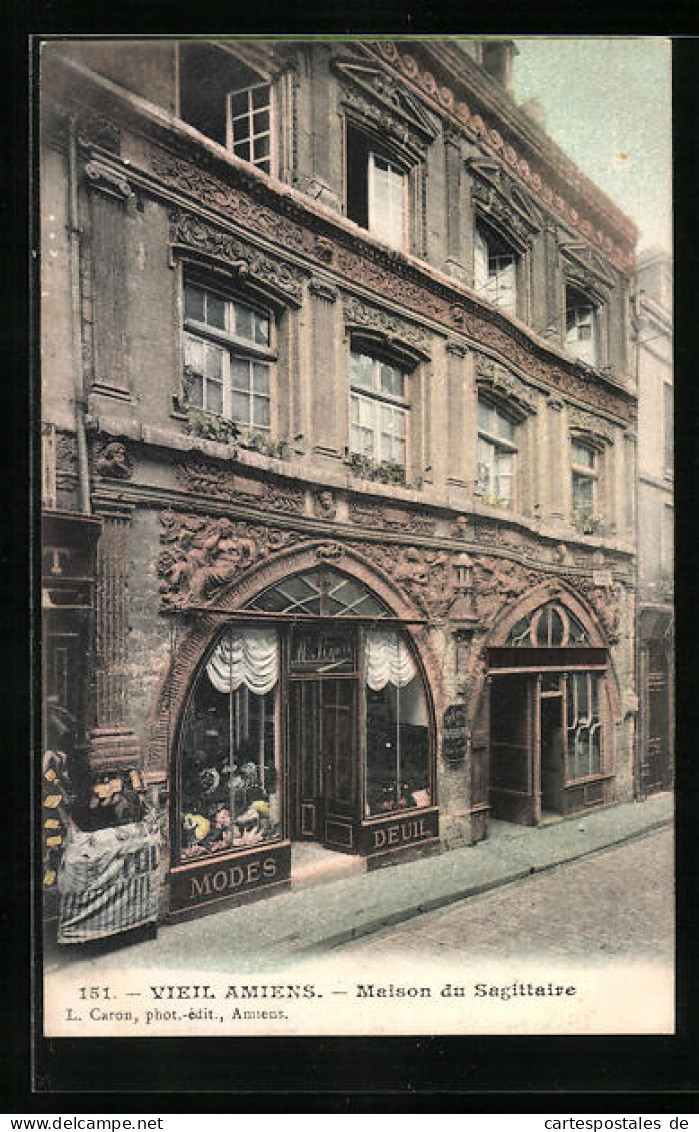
(616, 903)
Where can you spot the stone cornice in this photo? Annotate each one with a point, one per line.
(586, 210)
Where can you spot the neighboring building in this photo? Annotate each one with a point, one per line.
(656, 526)
(335, 360)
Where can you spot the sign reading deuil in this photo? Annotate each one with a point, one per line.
(399, 832)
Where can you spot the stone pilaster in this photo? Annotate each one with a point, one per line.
(112, 741)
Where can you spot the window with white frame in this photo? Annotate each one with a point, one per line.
(584, 481)
(496, 454)
(228, 357)
(249, 124)
(581, 326)
(378, 409)
(227, 101)
(495, 270)
(376, 189)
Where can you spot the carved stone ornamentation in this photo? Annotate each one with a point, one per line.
(498, 198)
(390, 518)
(493, 375)
(330, 551)
(324, 505)
(216, 481)
(588, 423)
(424, 574)
(358, 313)
(192, 232)
(386, 273)
(498, 581)
(112, 461)
(203, 554)
(606, 605)
(107, 180)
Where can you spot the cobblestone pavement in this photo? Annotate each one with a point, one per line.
(617, 903)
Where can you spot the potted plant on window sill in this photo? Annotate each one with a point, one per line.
(383, 471)
(210, 427)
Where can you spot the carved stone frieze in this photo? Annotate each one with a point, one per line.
(386, 273)
(425, 574)
(390, 518)
(499, 379)
(200, 554)
(498, 581)
(214, 481)
(193, 232)
(111, 459)
(606, 604)
(587, 422)
(358, 313)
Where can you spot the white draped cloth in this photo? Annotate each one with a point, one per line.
(388, 661)
(245, 656)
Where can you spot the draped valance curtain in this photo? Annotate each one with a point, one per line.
(388, 661)
(245, 657)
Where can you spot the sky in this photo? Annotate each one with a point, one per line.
(607, 103)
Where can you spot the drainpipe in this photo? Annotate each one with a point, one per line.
(76, 315)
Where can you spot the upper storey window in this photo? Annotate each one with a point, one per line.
(377, 189)
(378, 409)
(497, 452)
(582, 329)
(227, 357)
(227, 101)
(495, 270)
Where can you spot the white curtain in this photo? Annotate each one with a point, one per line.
(245, 656)
(388, 661)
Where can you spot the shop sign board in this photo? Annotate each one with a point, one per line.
(195, 885)
(398, 831)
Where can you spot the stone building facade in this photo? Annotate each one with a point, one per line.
(656, 618)
(340, 425)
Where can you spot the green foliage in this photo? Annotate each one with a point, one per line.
(385, 471)
(210, 427)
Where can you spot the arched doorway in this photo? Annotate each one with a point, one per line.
(308, 719)
(548, 714)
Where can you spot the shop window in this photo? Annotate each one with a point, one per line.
(582, 326)
(397, 748)
(378, 409)
(227, 357)
(550, 626)
(377, 188)
(584, 729)
(495, 269)
(584, 483)
(226, 101)
(229, 796)
(496, 455)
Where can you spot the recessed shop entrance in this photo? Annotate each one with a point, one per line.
(322, 758)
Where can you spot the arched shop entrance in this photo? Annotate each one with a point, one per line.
(549, 719)
(308, 719)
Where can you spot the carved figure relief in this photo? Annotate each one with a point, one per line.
(390, 518)
(202, 554)
(112, 460)
(324, 505)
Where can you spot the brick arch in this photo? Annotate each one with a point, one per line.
(192, 641)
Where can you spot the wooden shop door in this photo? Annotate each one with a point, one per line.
(323, 750)
(514, 750)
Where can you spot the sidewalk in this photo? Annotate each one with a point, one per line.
(300, 921)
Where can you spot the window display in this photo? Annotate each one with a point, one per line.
(397, 749)
(584, 726)
(229, 769)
